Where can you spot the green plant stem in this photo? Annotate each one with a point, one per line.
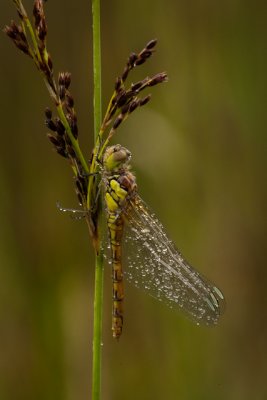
(97, 339)
(97, 67)
(99, 266)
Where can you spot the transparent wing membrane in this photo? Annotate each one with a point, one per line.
(153, 263)
(156, 266)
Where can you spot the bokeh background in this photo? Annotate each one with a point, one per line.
(199, 152)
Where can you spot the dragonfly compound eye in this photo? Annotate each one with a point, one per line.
(123, 155)
(116, 157)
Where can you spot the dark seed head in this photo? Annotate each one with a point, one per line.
(39, 19)
(122, 98)
(69, 101)
(70, 151)
(117, 84)
(145, 100)
(159, 78)
(22, 46)
(9, 31)
(64, 79)
(146, 54)
(53, 139)
(42, 30)
(36, 15)
(62, 152)
(50, 125)
(140, 61)
(48, 113)
(125, 74)
(151, 44)
(22, 36)
(136, 86)
(62, 92)
(117, 121)
(61, 79)
(125, 109)
(61, 141)
(112, 112)
(133, 57)
(67, 79)
(14, 32)
(43, 66)
(59, 126)
(133, 106)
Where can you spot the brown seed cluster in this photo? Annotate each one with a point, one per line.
(43, 58)
(18, 37)
(138, 59)
(59, 137)
(63, 147)
(38, 52)
(63, 130)
(126, 100)
(39, 20)
(67, 101)
(57, 134)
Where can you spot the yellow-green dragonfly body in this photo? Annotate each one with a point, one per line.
(120, 186)
(154, 263)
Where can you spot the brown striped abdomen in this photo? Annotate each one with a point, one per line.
(119, 189)
(115, 226)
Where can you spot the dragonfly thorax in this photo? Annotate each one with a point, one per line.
(116, 158)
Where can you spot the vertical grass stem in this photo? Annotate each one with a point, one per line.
(99, 266)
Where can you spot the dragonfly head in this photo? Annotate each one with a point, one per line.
(115, 158)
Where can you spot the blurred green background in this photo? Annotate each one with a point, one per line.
(199, 152)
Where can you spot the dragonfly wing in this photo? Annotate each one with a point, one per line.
(155, 265)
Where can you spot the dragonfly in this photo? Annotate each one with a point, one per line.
(154, 263)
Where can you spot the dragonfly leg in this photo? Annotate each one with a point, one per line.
(74, 213)
(86, 174)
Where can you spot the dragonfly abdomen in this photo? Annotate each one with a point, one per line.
(118, 189)
(115, 227)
